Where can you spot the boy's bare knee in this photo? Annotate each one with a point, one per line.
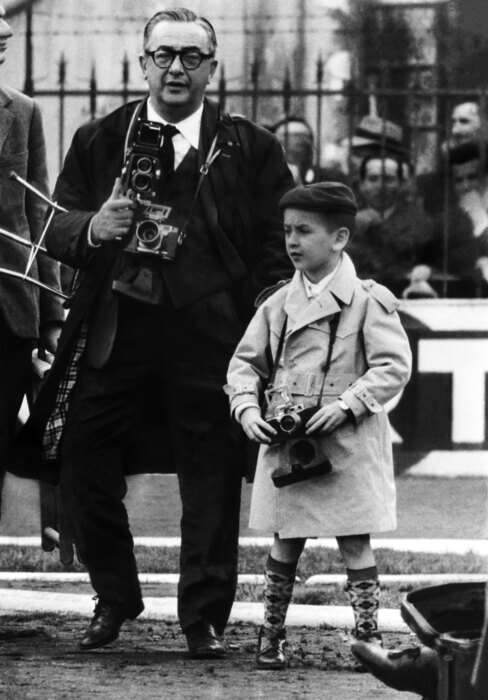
(354, 546)
(287, 550)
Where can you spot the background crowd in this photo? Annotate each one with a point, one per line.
(422, 236)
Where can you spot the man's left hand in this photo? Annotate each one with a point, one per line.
(49, 337)
(326, 419)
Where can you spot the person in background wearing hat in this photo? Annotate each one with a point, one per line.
(331, 343)
(391, 233)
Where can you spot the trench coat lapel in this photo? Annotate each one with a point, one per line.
(302, 311)
(6, 116)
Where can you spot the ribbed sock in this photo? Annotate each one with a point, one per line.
(363, 589)
(279, 581)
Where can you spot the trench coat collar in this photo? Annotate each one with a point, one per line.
(6, 115)
(302, 311)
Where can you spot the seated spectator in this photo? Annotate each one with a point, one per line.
(391, 233)
(374, 136)
(466, 126)
(297, 138)
(459, 247)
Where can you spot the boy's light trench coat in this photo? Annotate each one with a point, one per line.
(371, 363)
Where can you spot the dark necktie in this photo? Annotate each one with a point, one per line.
(168, 150)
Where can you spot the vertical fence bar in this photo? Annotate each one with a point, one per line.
(286, 93)
(319, 79)
(62, 87)
(446, 204)
(350, 92)
(255, 69)
(93, 93)
(125, 79)
(222, 89)
(29, 60)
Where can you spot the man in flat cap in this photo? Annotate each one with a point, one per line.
(327, 351)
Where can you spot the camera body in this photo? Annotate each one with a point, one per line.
(289, 421)
(304, 460)
(152, 231)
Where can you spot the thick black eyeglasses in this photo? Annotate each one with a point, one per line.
(191, 59)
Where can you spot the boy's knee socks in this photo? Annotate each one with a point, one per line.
(279, 580)
(363, 589)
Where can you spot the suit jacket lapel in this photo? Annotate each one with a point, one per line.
(6, 117)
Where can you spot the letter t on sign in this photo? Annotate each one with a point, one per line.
(467, 360)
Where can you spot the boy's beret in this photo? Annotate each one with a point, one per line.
(326, 197)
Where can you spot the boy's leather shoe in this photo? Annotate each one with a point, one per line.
(104, 627)
(204, 642)
(414, 669)
(271, 651)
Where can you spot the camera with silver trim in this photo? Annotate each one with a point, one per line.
(289, 421)
(151, 232)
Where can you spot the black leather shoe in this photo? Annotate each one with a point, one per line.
(204, 642)
(270, 653)
(414, 669)
(104, 627)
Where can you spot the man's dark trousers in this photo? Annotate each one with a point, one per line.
(155, 346)
(15, 380)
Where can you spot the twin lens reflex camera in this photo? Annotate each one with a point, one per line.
(141, 179)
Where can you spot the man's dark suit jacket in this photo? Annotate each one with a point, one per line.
(239, 200)
(22, 149)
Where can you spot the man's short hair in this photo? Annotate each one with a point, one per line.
(181, 14)
(377, 156)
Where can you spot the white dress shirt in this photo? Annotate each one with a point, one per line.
(189, 129)
(313, 289)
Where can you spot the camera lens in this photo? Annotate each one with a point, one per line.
(141, 182)
(288, 423)
(144, 164)
(302, 451)
(148, 234)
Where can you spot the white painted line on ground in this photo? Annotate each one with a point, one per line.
(451, 464)
(54, 577)
(387, 579)
(80, 577)
(15, 601)
(436, 546)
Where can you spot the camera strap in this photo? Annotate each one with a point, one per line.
(212, 155)
(333, 324)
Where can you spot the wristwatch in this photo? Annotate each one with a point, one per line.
(345, 408)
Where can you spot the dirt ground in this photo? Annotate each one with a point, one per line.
(39, 661)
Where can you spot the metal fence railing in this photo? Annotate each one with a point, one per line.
(426, 124)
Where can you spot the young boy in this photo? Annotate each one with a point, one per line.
(331, 343)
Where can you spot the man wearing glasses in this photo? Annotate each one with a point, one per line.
(161, 328)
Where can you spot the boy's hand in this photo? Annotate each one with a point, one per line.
(255, 426)
(326, 419)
